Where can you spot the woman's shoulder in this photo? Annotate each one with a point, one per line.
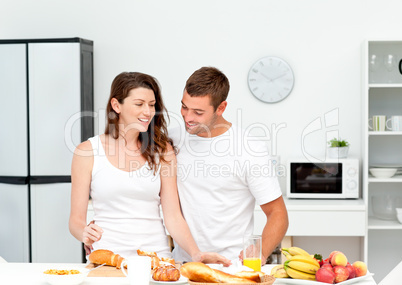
(169, 153)
(85, 148)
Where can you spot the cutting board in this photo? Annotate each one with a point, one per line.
(104, 271)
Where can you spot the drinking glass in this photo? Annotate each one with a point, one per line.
(374, 65)
(252, 252)
(390, 62)
(390, 65)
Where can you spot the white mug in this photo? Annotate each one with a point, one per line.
(138, 269)
(396, 123)
(378, 123)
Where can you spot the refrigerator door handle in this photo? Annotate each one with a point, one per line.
(49, 179)
(17, 180)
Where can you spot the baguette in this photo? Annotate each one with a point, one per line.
(101, 256)
(256, 276)
(199, 272)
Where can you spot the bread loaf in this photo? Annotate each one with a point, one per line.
(256, 276)
(199, 272)
(102, 256)
(166, 273)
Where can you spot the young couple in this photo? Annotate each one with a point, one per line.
(131, 169)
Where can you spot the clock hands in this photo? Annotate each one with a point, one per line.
(272, 79)
(266, 77)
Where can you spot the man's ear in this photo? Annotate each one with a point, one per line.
(115, 105)
(221, 108)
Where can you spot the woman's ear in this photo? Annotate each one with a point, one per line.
(221, 108)
(115, 105)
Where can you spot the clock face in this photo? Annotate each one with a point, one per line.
(270, 79)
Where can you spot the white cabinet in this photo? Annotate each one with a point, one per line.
(382, 95)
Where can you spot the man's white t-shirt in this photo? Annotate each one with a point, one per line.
(220, 180)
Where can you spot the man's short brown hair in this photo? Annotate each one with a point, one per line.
(209, 81)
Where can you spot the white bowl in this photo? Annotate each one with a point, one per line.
(383, 172)
(399, 214)
(384, 206)
(71, 279)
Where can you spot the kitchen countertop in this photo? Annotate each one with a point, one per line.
(31, 273)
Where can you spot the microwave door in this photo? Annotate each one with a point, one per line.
(316, 178)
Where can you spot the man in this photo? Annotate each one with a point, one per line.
(221, 174)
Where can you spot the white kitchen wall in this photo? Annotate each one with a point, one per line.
(320, 39)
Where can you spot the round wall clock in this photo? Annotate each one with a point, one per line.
(270, 79)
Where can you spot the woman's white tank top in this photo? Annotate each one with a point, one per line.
(126, 207)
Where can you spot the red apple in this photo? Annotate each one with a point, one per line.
(339, 258)
(360, 268)
(352, 271)
(324, 275)
(327, 266)
(341, 273)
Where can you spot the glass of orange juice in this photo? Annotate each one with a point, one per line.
(252, 252)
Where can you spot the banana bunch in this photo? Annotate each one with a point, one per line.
(301, 267)
(294, 250)
(279, 271)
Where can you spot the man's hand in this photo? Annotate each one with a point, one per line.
(211, 257)
(263, 258)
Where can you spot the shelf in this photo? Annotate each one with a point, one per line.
(323, 205)
(378, 224)
(385, 85)
(394, 179)
(386, 133)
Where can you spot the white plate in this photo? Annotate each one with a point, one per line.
(182, 280)
(387, 166)
(308, 282)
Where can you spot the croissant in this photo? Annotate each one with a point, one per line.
(168, 260)
(101, 256)
(199, 272)
(154, 258)
(166, 273)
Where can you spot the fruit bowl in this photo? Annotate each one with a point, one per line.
(383, 172)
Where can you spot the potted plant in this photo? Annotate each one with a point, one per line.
(338, 148)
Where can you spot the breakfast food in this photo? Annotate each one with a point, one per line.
(199, 272)
(102, 256)
(61, 272)
(256, 276)
(163, 268)
(166, 273)
(154, 258)
(168, 260)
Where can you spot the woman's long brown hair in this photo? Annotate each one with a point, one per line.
(154, 141)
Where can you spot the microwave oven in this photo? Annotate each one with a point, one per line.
(329, 179)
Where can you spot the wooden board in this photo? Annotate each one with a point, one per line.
(104, 271)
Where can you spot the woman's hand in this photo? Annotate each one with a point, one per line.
(211, 257)
(91, 234)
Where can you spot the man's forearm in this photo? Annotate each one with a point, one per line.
(274, 231)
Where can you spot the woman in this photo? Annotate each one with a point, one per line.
(129, 171)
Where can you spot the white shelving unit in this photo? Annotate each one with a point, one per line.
(382, 95)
